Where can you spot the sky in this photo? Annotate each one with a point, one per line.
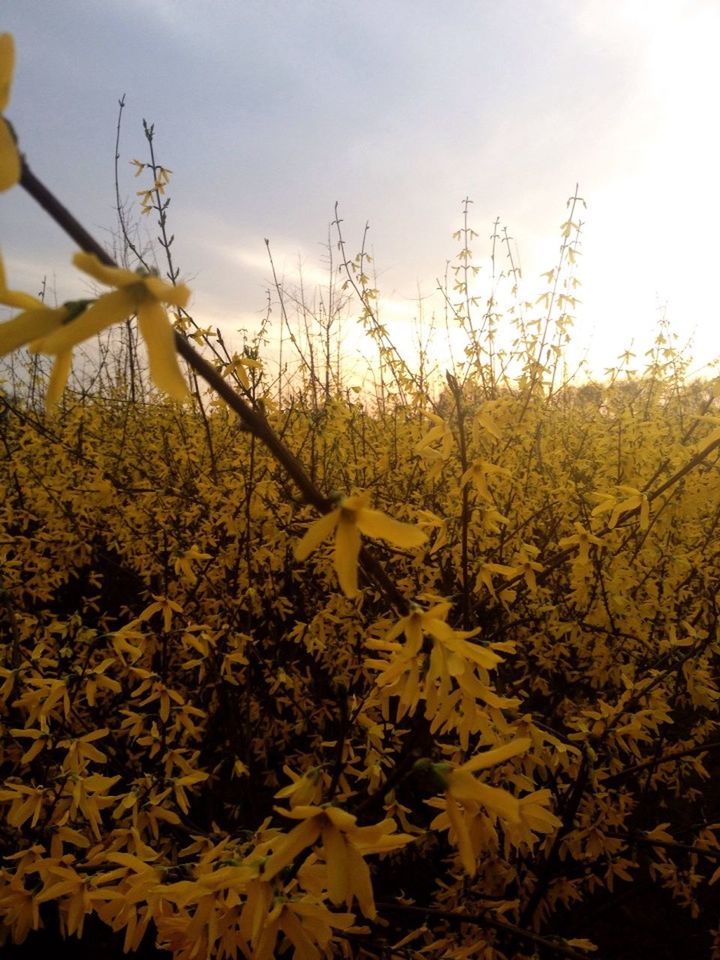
(270, 113)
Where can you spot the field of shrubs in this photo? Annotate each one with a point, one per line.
(424, 672)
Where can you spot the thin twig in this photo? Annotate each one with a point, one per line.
(486, 920)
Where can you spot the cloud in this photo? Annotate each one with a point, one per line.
(269, 113)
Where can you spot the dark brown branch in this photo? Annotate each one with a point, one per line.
(485, 920)
(658, 761)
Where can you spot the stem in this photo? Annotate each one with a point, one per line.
(465, 511)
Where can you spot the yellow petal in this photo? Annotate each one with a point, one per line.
(9, 158)
(360, 881)
(375, 524)
(438, 628)
(23, 301)
(497, 755)
(358, 502)
(57, 890)
(483, 656)
(58, 378)
(414, 633)
(439, 611)
(148, 286)
(7, 65)
(12, 298)
(340, 818)
(36, 748)
(129, 860)
(28, 327)
(463, 785)
(159, 337)
(500, 802)
(347, 550)
(300, 837)
(177, 294)
(107, 310)
(315, 534)
(305, 949)
(462, 836)
(256, 909)
(110, 276)
(302, 811)
(265, 949)
(538, 818)
(336, 863)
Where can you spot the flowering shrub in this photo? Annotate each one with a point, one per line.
(475, 693)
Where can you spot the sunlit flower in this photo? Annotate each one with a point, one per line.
(441, 433)
(27, 803)
(435, 456)
(433, 621)
(137, 294)
(535, 817)
(57, 330)
(9, 156)
(133, 903)
(351, 518)
(89, 796)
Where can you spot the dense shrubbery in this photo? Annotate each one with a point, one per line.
(211, 738)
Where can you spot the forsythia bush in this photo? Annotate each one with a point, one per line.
(435, 715)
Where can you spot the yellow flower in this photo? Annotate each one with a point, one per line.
(477, 474)
(436, 456)
(344, 846)
(451, 658)
(57, 330)
(582, 538)
(462, 785)
(442, 432)
(433, 621)
(75, 893)
(9, 156)
(306, 924)
(27, 803)
(135, 293)
(635, 500)
(305, 789)
(351, 518)
(485, 575)
(527, 566)
(465, 795)
(535, 816)
(20, 909)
